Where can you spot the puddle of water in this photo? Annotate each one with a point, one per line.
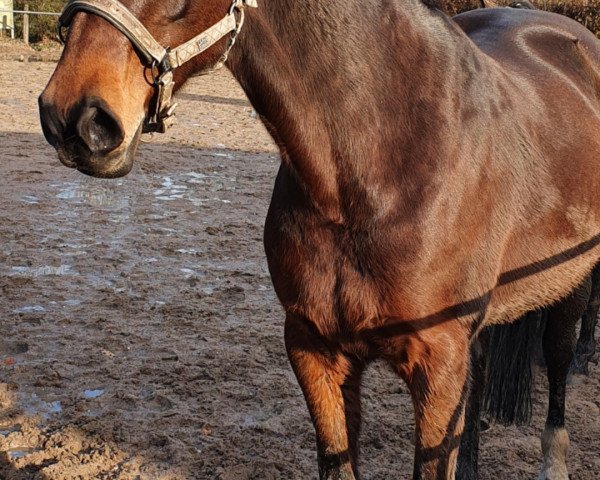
(165, 198)
(78, 249)
(44, 270)
(95, 194)
(7, 431)
(93, 393)
(188, 251)
(30, 309)
(249, 421)
(30, 199)
(166, 230)
(224, 155)
(72, 303)
(170, 191)
(74, 246)
(20, 452)
(33, 405)
(197, 175)
(198, 202)
(187, 272)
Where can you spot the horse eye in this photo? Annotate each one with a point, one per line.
(177, 9)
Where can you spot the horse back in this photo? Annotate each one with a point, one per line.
(531, 42)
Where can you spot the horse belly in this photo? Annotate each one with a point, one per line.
(545, 263)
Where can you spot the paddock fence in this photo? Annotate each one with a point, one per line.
(7, 21)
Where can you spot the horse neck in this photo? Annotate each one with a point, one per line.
(350, 90)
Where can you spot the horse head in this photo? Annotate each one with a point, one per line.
(121, 62)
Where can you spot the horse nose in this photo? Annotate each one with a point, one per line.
(52, 125)
(90, 122)
(98, 126)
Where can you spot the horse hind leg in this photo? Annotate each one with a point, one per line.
(502, 360)
(559, 347)
(586, 343)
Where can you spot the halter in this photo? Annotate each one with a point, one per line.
(160, 60)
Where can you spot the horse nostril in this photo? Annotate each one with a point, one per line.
(98, 128)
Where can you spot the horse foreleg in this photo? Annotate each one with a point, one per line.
(468, 456)
(559, 347)
(330, 382)
(437, 376)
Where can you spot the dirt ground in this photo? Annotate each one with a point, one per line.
(140, 337)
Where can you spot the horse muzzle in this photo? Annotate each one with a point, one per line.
(88, 137)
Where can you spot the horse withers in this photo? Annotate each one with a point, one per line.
(438, 176)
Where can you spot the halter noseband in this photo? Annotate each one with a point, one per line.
(161, 61)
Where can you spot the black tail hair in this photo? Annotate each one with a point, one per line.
(511, 357)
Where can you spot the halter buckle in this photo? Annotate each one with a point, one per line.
(161, 112)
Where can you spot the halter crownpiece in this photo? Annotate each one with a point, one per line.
(162, 61)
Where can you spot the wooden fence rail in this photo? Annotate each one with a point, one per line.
(25, 12)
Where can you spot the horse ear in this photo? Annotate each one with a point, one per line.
(251, 3)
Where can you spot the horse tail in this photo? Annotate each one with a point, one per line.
(487, 4)
(511, 356)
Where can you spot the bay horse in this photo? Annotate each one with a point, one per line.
(438, 176)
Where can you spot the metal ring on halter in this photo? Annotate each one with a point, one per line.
(234, 6)
(154, 73)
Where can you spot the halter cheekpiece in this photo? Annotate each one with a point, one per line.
(160, 60)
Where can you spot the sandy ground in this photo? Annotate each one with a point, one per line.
(140, 337)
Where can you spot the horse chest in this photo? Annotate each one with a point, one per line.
(334, 277)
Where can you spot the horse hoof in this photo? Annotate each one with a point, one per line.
(555, 474)
(580, 366)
